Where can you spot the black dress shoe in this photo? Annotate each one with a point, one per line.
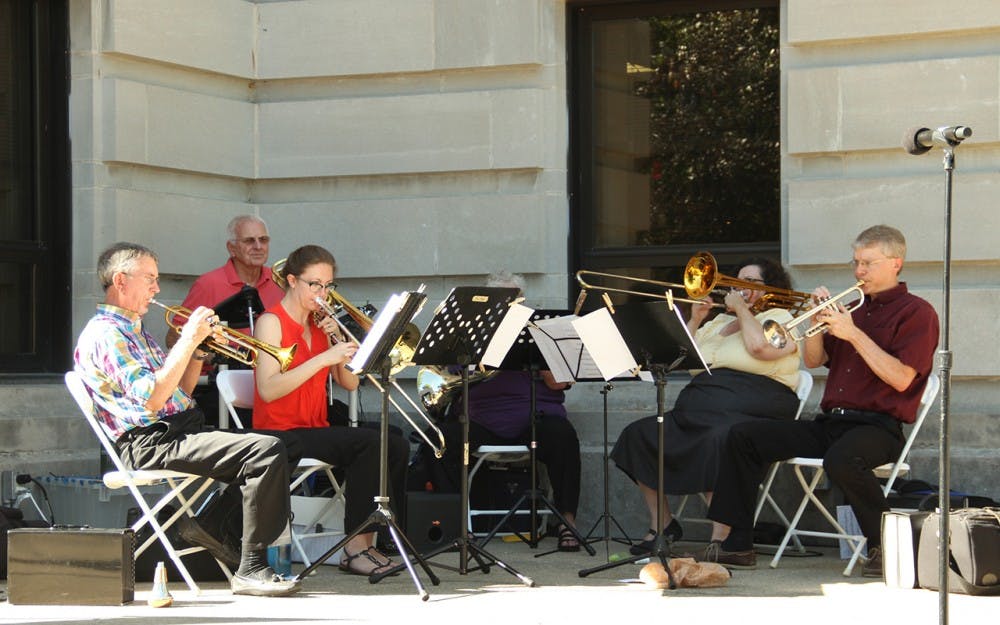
(194, 534)
(671, 533)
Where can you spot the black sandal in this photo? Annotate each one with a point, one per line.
(567, 540)
(347, 566)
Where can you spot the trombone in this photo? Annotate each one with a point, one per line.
(778, 335)
(701, 277)
(236, 345)
(331, 312)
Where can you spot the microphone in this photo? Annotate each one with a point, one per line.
(919, 140)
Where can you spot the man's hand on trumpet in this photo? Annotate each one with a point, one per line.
(202, 324)
(837, 319)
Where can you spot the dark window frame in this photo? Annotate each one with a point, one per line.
(583, 255)
(47, 204)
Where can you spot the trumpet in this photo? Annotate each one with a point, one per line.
(438, 448)
(236, 345)
(778, 335)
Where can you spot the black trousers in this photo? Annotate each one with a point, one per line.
(356, 451)
(255, 463)
(851, 446)
(558, 449)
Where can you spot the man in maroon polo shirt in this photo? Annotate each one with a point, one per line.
(879, 357)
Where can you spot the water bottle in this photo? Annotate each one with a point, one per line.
(279, 558)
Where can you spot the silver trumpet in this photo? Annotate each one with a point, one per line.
(797, 330)
(438, 448)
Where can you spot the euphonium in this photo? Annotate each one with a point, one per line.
(437, 386)
(236, 345)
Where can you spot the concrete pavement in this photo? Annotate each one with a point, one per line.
(801, 590)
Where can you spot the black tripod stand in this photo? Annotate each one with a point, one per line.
(655, 334)
(376, 347)
(533, 494)
(606, 517)
(460, 333)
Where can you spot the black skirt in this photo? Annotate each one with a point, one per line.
(695, 430)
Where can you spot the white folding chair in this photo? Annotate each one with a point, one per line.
(177, 483)
(236, 389)
(802, 390)
(889, 471)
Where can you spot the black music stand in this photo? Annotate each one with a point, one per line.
(374, 354)
(462, 329)
(525, 356)
(240, 309)
(660, 342)
(568, 351)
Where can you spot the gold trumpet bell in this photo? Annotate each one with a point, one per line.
(283, 355)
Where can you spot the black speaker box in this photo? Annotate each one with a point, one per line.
(432, 519)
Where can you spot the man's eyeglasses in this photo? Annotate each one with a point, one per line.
(264, 240)
(150, 279)
(316, 286)
(865, 264)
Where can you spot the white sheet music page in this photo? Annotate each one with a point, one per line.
(381, 324)
(605, 343)
(506, 334)
(564, 352)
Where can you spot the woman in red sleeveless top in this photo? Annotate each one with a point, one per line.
(296, 401)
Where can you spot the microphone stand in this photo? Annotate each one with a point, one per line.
(944, 366)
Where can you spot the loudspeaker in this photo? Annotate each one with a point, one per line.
(432, 519)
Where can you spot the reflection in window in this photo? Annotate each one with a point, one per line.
(685, 130)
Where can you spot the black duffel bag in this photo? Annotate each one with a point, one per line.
(973, 555)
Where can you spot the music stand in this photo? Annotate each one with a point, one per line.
(374, 355)
(659, 340)
(526, 356)
(240, 309)
(561, 340)
(466, 329)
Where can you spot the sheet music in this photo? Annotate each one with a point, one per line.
(565, 354)
(379, 327)
(507, 332)
(605, 343)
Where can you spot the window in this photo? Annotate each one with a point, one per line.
(674, 134)
(34, 187)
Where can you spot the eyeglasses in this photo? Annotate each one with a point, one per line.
(264, 240)
(754, 280)
(150, 279)
(865, 264)
(316, 286)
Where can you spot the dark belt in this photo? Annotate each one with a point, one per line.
(883, 419)
(851, 412)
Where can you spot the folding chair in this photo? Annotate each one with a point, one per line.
(177, 482)
(236, 391)
(503, 454)
(802, 390)
(887, 471)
